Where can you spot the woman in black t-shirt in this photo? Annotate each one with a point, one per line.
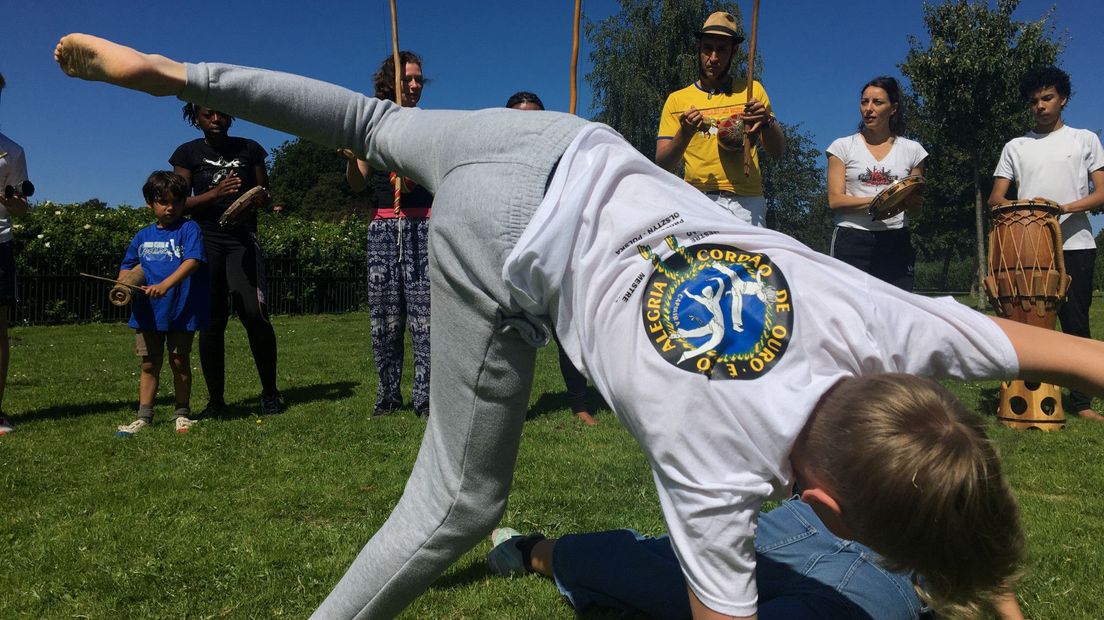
(220, 168)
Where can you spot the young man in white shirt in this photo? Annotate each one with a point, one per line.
(1057, 162)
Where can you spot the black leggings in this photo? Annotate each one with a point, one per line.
(237, 276)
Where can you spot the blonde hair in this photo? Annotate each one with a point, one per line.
(919, 482)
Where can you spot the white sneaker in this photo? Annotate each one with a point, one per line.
(126, 430)
(183, 424)
(6, 426)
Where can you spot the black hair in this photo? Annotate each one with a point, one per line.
(1042, 77)
(524, 96)
(893, 90)
(191, 113)
(165, 187)
(3, 82)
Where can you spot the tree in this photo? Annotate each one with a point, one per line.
(965, 84)
(794, 184)
(309, 180)
(642, 54)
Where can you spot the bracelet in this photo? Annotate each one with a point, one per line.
(772, 121)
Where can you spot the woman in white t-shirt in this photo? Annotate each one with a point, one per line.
(860, 166)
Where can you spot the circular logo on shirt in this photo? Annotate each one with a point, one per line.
(717, 310)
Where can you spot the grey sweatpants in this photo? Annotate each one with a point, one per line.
(488, 171)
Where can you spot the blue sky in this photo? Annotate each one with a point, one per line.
(88, 140)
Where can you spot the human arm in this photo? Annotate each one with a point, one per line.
(837, 184)
(357, 171)
(1050, 356)
(229, 186)
(999, 194)
(186, 268)
(670, 149)
(701, 612)
(1094, 200)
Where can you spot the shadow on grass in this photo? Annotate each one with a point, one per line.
(300, 395)
(557, 402)
(988, 402)
(241, 409)
(63, 411)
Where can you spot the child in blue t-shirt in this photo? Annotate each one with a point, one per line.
(176, 300)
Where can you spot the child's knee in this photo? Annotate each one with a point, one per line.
(180, 363)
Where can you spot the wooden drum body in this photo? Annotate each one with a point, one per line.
(1027, 282)
(1027, 278)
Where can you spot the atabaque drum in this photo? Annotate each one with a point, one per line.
(1027, 278)
(1027, 282)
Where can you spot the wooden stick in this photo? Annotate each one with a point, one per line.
(88, 275)
(575, 57)
(396, 179)
(751, 79)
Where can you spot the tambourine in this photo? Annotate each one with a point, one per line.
(26, 188)
(237, 210)
(891, 200)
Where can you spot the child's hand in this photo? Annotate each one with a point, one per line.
(155, 291)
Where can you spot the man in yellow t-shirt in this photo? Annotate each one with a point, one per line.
(687, 131)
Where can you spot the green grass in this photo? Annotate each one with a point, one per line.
(258, 518)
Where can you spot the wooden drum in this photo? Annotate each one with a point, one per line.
(1027, 282)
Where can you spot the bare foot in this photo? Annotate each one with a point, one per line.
(1089, 414)
(586, 418)
(99, 60)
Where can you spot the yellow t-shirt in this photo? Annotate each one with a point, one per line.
(709, 167)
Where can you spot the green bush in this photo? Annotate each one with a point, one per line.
(960, 275)
(61, 238)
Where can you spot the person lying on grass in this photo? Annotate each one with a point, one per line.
(802, 571)
(739, 359)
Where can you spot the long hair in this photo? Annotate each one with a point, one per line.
(384, 79)
(897, 123)
(918, 481)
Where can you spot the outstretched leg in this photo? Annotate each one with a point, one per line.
(99, 60)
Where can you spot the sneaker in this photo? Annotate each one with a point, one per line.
(183, 424)
(126, 430)
(6, 425)
(212, 410)
(272, 405)
(506, 559)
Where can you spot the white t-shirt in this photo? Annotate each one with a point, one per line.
(636, 270)
(13, 171)
(1055, 166)
(867, 176)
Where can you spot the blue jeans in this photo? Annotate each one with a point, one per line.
(803, 571)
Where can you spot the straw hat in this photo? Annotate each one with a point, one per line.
(721, 24)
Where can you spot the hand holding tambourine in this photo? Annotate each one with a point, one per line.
(255, 198)
(904, 194)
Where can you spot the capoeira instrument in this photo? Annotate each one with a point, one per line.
(125, 289)
(750, 79)
(26, 189)
(892, 200)
(1027, 282)
(244, 204)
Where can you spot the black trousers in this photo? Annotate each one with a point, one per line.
(1073, 315)
(237, 276)
(885, 254)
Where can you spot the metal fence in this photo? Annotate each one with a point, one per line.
(294, 285)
